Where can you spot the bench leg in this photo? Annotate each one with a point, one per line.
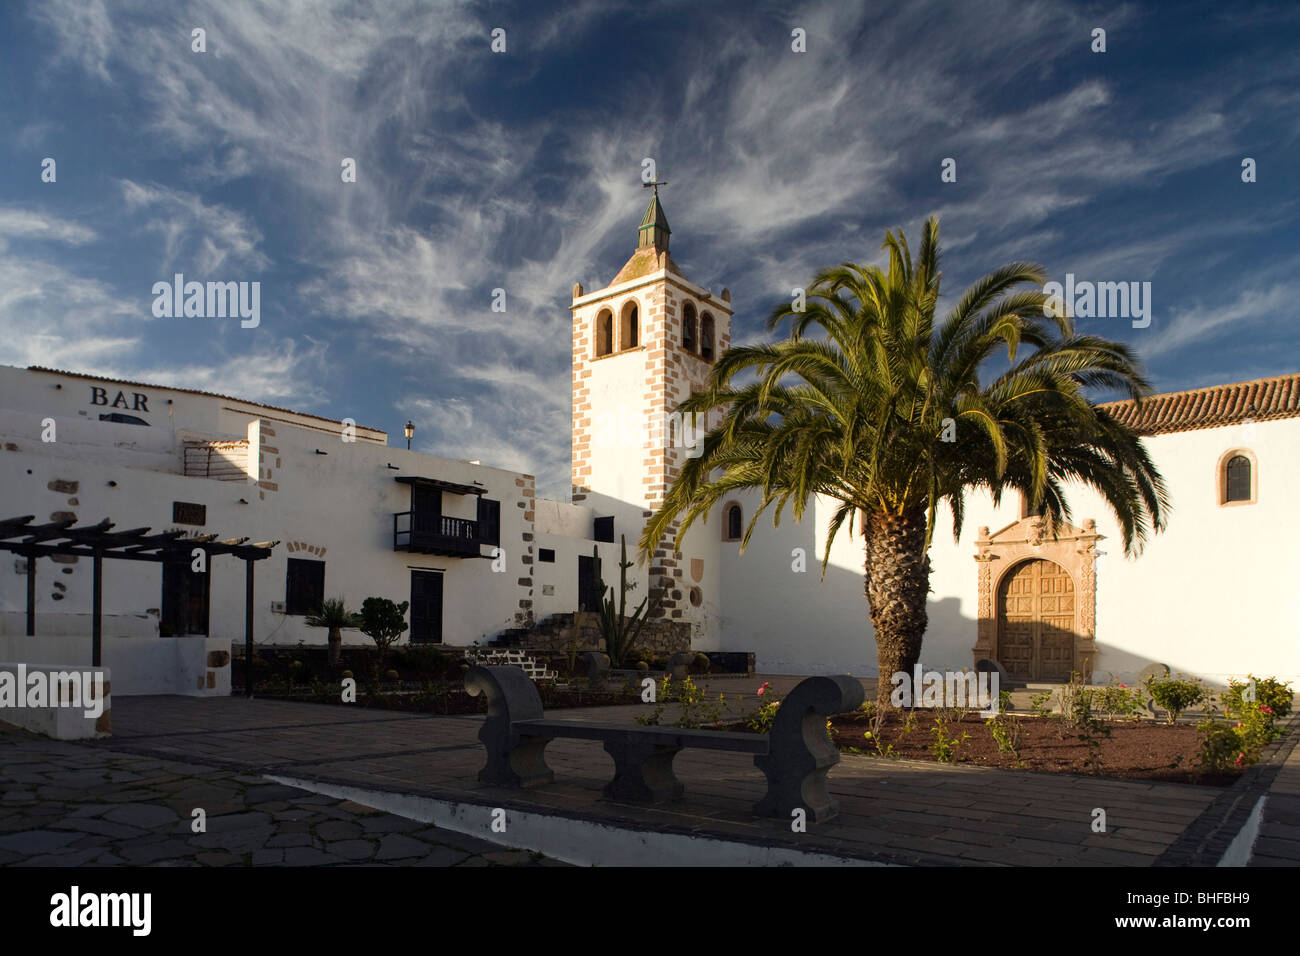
(795, 787)
(643, 773)
(519, 762)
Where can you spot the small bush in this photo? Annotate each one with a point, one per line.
(1264, 690)
(421, 658)
(1222, 749)
(392, 675)
(1007, 733)
(346, 674)
(1119, 700)
(642, 666)
(1040, 704)
(944, 747)
(1175, 695)
(702, 663)
(1076, 702)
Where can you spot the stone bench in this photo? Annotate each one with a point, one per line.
(795, 757)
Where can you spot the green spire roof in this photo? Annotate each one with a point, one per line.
(654, 229)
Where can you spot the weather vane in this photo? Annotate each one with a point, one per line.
(655, 184)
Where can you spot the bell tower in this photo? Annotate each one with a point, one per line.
(642, 345)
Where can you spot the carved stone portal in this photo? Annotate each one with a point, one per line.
(1000, 556)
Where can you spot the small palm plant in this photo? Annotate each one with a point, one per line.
(619, 631)
(334, 615)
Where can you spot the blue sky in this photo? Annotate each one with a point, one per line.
(521, 170)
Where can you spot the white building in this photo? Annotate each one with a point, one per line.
(476, 553)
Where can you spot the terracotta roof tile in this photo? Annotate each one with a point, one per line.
(1262, 400)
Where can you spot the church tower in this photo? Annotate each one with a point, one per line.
(641, 345)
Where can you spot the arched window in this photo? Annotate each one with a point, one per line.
(706, 337)
(688, 327)
(1237, 482)
(604, 332)
(627, 338)
(732, 526)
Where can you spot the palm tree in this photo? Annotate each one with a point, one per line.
(334, 615)
(883, 411)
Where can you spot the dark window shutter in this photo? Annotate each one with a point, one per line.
(304, 590)
(489, 521)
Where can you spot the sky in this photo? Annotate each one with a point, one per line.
(521, 170)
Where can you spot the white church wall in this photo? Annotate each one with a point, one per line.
(1212, 596)
(1215, 594)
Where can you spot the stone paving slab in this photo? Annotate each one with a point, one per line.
(1278, 843)
(249, 821)
(891, 810)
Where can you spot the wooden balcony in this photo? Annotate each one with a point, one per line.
(436, 534)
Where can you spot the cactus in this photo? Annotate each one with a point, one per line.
(619, 631)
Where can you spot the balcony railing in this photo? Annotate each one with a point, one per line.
(435, 534)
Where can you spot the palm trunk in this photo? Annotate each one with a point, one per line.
(897, 584)
(336, 646)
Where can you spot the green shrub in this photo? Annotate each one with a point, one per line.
(421, 658)
(1007, 734)
(1076, 702)
(1222, 748)
(383, 622)
(1175, 695)
(642, 666)
(392, 675)
(702, 663)
(944, 747)
(1040, 704)
(761, 720)
(1119, 700)
(346, 674)
(1268, 691)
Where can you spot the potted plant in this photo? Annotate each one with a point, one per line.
(334, 615)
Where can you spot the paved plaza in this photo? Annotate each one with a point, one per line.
(67, 804)
(128, 798)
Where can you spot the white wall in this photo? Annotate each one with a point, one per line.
(1216, 594)
(141, 665)
(337, 507)
(1213, 596)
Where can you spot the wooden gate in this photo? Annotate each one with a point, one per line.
(1036, 622)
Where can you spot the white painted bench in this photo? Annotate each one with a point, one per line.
(49, 699)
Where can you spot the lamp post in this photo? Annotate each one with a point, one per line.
(409, 431)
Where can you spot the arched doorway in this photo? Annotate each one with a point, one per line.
(1035, 635)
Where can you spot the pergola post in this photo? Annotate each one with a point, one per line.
(31, 594)
(97, 610)
(248, 627)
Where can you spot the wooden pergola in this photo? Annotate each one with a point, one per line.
(98, 542)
